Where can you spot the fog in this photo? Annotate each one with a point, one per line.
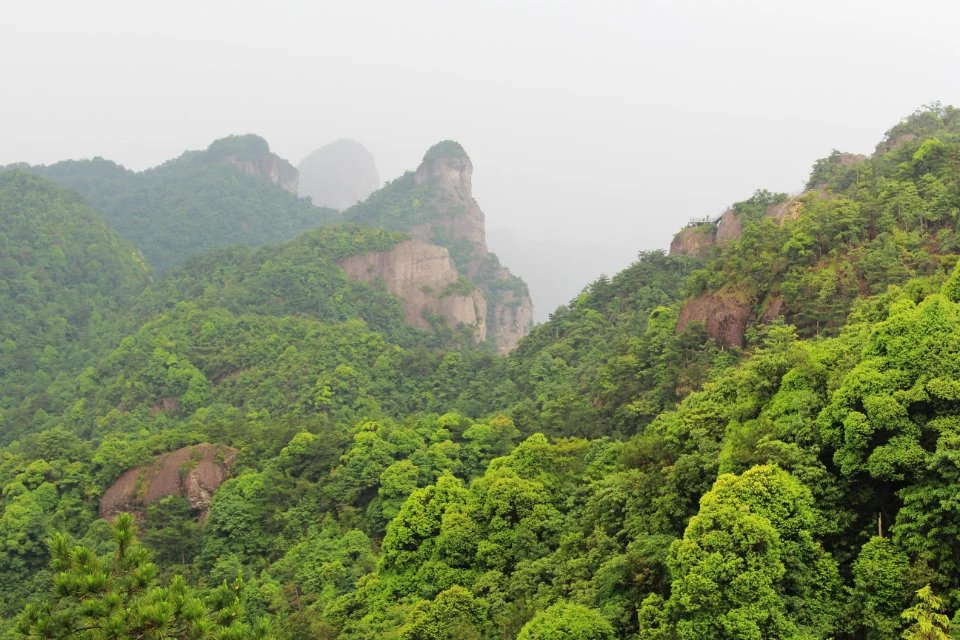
(596, 128)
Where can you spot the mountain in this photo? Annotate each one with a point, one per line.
(861, 225)
(435, 204)
(66, 278)
(235, 192)
(338, 175)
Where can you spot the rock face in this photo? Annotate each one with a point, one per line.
(447, 166)
(512, 317)
(786, 211)
(695, 240)
(423, 277)
(724, 314)
(251, 154)
(338, 175)
(699, 238)
(460, 221)
(194, 473)
(890, 144)
(729, 227)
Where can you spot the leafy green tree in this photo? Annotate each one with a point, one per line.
(879, 574)
(731, 576)
(116, 596)
(566, 621)
(927, 621)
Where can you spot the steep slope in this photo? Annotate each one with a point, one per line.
(435, 204)
(66, 277)
(863, 224)
(338, 175)
(236, 192)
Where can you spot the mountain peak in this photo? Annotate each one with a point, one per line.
(445, 150)
(339, 174)
(251, 154)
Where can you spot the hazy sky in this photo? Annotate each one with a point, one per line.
(596, 128)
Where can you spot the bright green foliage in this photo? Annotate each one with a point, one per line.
(116, 596)
(564, 621)
(927, 621)
(748, 566)
(879, 574)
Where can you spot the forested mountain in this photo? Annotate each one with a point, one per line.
(235, 192)
(754, 437)
(67, 279)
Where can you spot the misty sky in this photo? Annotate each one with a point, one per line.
(596, 128)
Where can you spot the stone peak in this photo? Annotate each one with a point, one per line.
(445, 150)
(246, 145)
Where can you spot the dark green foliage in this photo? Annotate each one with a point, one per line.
(611, 360)
(193, 204)
(444, 149)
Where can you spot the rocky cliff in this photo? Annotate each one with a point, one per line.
(725, 314)
(423, 276)
(694, 240)
(251, 154)
(447, 169)
(460, 223)
(435, 205)
(193, 473)
(338, 175)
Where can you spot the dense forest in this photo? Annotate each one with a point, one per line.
(247, 443)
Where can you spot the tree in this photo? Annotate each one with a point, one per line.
(117, 596)
(879, 574)
(565, 621)
(747, 566)
(928, 622)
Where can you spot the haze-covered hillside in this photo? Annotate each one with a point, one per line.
(338, 175)
(235, 192)
(302, 461)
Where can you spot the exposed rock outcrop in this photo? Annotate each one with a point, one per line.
(512, 318)
(251, 154)
(447, 166)
(890, 144)
(729, 227)
(193, 472)
(786, 211)
(459, 221)
(423, 276)
(338, 175)
(725, 314)
(694, 240)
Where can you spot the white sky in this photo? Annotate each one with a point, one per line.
(596, 128)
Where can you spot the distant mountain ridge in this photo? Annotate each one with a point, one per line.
(338, 175)
(235, 192)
